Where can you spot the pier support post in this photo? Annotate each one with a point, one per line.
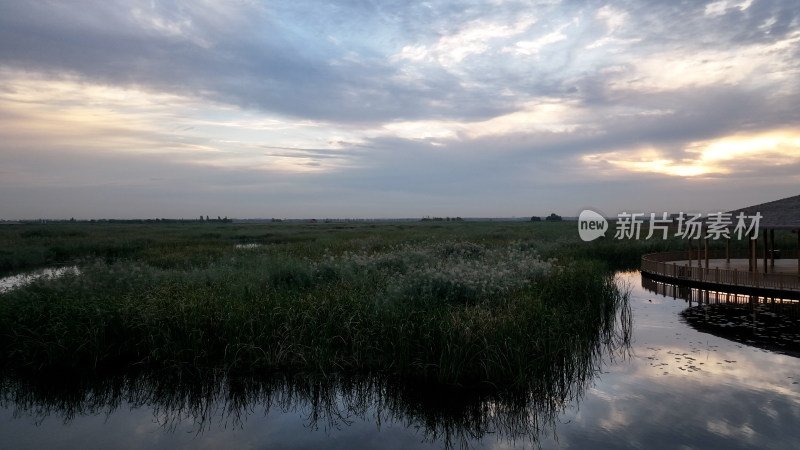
(728, 250)
(772, 246)
(766, 250)
(699, 264)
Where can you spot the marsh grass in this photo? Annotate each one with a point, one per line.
(461, 330)
(464, 305)
(184, 246)
(449, 415)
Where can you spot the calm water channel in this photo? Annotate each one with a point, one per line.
(675, 387)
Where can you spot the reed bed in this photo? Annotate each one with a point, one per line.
(462, 305)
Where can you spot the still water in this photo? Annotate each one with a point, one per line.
(15, 281)
(673, 387)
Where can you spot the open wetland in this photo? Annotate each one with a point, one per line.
(384, 336)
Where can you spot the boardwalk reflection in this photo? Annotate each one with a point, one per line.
(765, 322)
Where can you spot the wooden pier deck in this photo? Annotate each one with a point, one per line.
(763, 270)
(718, 273)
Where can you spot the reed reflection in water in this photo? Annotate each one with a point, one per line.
(446, 416)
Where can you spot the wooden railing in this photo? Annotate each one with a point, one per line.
(665, 264)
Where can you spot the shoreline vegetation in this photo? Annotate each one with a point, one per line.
(457, 303)
(183, 317)
(416, 302)
(462, 328)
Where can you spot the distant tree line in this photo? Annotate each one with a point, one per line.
(217, 220)
(441, 219)
(553, 217)
(202, 219)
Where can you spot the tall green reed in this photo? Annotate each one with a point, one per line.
(458, 311)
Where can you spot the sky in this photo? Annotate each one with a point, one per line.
(367, 108)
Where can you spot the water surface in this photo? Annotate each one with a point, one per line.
(14, 281)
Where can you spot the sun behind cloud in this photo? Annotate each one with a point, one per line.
(728, 155)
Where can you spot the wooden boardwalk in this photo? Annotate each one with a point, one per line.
(753, 272)
(721, 274)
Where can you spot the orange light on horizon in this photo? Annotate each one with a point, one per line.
(726, 155)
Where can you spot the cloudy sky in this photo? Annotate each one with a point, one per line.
(368, 108)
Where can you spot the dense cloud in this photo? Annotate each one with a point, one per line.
(495, 107)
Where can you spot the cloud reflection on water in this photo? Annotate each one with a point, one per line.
(741, 396)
